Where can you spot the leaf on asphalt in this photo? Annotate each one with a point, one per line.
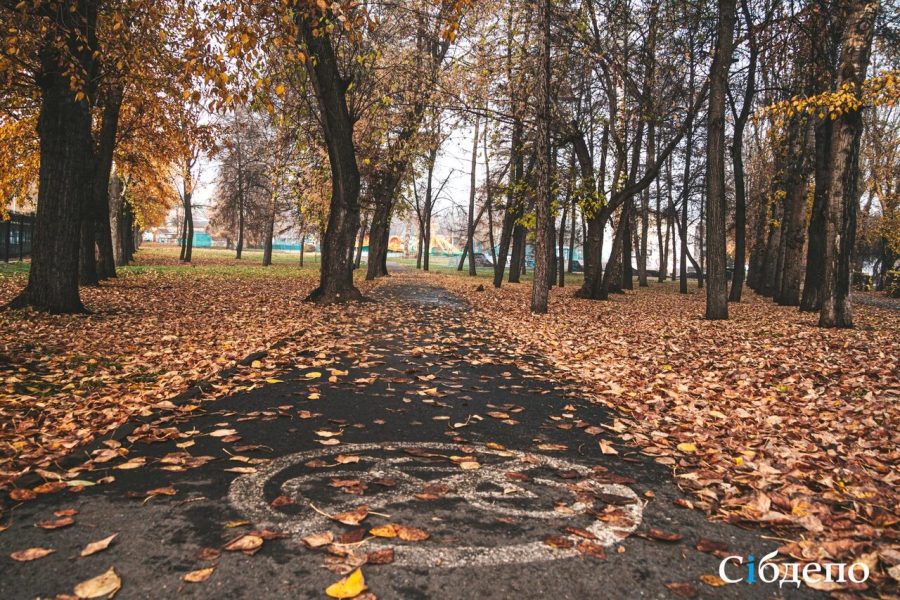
(384, 531)
(411, 534)
(98, 546)
(50, 487)
(22, 495)
(31, 554)
(591, 549)
(713, 580)
(220, 433)
(352, 517)
(559, 541)
(247, 543)
(348, 587)
(683, 589)
(383, 556)
(663, 536)
(134, 463)
(606, 447)
(106, 584)
(199, 576)
(57, 523)
(711, 546)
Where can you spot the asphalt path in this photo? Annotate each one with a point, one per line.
(437, 431)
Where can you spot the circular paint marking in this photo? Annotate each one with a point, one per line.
(248, 495)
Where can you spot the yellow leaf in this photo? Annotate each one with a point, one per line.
(352, 585)
(687, 447)
(713, 580)
(384, 531)
(106, 584)
(313, 375)
(199, 576)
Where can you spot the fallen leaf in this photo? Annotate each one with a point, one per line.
(98, 546)
(683, 589)
(57, 524)
(106, 584)
(199, 576)
(348, 587)
(713, 580)
(352, 517)
(317, 540)
(31, 554)
(246, 543)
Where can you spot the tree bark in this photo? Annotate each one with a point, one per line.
(842, 206)
(336, 278)
(64, 128)
(815, 247)
(106, 265)
(794, 222)
(716, 291)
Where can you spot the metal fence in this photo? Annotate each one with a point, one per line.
(16, 235)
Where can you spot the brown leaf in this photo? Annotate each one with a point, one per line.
(98, 546)
(352, 517)
(317, 540)
(249, 544)
(31, 554)
(56, 524)
(558, 541)
(663, 536)
(683, 589)
(384, 556)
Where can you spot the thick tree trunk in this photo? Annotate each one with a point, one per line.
(842, 206)
(815, 247)
(794, 222)
(379, 232)
(64, 128)
(336, 279)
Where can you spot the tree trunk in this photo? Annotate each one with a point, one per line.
(513, 211)
(517, 256)
(815, 247)
(716, 290)
(794, 224)
(64, 127)
(842, 206)
(336, 279)
(106, 266)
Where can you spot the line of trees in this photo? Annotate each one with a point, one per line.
(754, 126)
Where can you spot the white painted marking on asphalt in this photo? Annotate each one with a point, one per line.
(248, 495)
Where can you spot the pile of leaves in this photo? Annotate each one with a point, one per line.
(151, 335)
(764, 419)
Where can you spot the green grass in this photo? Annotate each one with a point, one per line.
(441, 264)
